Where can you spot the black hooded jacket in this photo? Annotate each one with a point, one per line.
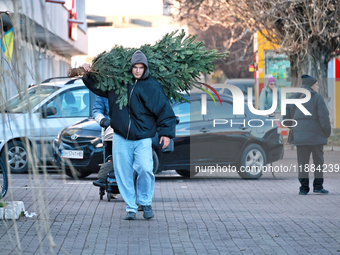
(313, 129)
(147, 109)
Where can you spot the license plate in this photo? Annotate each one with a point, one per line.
(72, 154)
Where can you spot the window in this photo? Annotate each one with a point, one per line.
(278, 66)
(224, 111)
(24, 102)
(71, 103)
(189, 112)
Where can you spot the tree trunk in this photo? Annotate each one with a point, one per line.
(319, 70)
(297, 65)
(294, 73)
(323, 79)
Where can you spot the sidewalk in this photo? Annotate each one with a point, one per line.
(325, 148)
(192, 216)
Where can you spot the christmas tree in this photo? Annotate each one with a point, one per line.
(176, 62)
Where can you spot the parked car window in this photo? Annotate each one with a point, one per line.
(23, 102)
(72, 103)
(243, 88)
(242, 84)
(224, 111)
(189, 112)
(85, 105)
(225, 92)
(240, 116)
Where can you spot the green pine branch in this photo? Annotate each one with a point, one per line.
(176, 62)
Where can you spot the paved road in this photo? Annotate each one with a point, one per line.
(193, 216)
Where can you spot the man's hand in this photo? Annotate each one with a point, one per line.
(165, 140)
(105, 122)
(87, 67)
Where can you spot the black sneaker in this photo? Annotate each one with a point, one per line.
(130, 216)
(303, 192)
(321, 191)
(147, 212)
(140, 208)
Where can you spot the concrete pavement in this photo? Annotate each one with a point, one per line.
(192, 216)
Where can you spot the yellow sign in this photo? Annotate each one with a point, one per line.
(251, 68)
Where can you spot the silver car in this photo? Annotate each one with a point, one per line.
(32, 120)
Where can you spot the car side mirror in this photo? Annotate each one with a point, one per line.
(177, 120)
(49, 111)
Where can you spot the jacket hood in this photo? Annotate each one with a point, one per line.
(312, 91)
(139, 58)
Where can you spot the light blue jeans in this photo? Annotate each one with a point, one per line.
(129, 157)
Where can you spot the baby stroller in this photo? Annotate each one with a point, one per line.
(106, 169)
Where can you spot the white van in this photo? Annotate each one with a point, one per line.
(31, 120)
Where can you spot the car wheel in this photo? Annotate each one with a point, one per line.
(184, 173)
(75, 174)
(155, 162)
(17, 157)
(252, 162)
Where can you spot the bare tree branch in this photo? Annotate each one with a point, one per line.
(303, 29)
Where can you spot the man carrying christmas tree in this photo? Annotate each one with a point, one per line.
(134, 125)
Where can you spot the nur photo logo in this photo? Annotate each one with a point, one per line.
(238, 102)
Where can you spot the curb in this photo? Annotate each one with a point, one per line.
(12, 210)
(325, 148)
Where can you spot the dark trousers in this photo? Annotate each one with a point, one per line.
(303, 155)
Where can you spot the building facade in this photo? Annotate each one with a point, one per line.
(130, 24)
(38, 40)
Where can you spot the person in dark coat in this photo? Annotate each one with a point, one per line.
(134, 125)
(310, 134)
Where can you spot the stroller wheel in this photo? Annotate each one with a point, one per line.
(109, 196)
(101, 193)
